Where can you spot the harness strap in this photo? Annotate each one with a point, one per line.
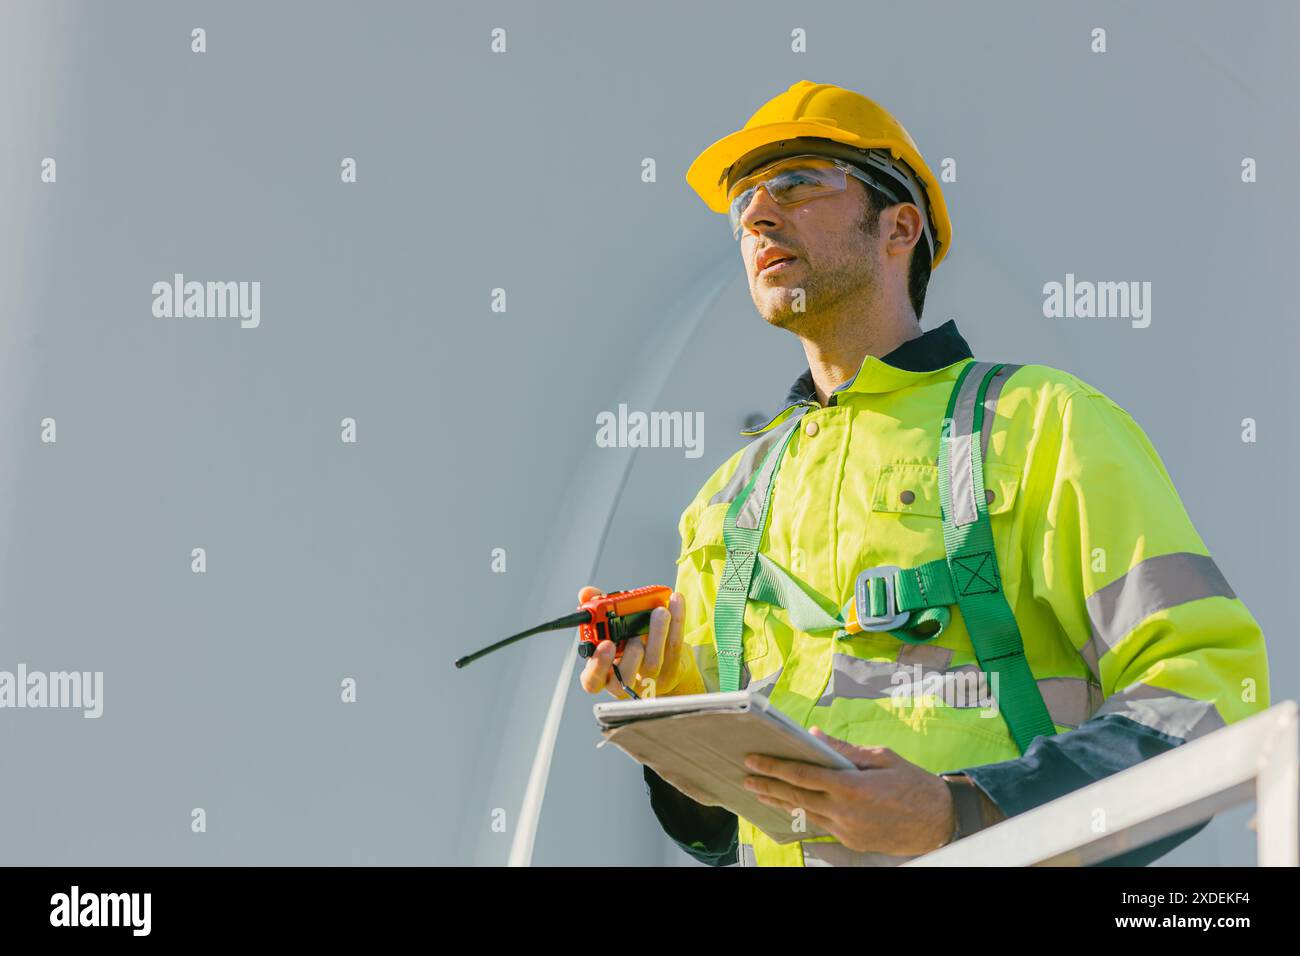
(742, 530)
(968, 541)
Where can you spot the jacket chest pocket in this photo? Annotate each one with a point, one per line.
(907, 517)
(706, 544)
(705, 555)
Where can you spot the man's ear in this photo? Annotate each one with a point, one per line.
(905, 230)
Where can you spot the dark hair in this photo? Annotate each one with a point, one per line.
(918, 270)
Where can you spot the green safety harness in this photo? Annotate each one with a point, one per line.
(912, 604)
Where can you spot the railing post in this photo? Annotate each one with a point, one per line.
(1277, 793)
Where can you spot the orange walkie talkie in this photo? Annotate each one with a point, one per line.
(618, 617)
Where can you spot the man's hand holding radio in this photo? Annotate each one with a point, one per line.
(660, 657)
(656, 664)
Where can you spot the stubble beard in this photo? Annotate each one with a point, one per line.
(823, 291)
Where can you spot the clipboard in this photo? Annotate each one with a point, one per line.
(702, 739)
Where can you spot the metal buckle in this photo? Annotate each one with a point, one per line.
(893, 619)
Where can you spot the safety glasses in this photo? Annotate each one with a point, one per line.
(798, 179)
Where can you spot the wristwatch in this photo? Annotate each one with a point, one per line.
(968, 805)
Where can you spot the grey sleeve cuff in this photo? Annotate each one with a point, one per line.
(1060, 764)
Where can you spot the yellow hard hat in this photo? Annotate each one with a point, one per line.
(826, 112)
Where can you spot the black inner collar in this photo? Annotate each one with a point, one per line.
(932, 350)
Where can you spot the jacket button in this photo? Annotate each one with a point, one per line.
(810, 429)
(989, 496)
(907, 497)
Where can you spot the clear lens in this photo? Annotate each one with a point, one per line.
(792, 180)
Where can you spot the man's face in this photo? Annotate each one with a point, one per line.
(834, 256)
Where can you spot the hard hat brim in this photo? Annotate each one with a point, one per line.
(705, 175)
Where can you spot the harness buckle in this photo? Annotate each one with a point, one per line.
(892, 619)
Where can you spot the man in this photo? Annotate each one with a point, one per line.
(1008, 523)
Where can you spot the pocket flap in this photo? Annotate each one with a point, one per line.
(708, 530)
(907, 488)
(911, 488)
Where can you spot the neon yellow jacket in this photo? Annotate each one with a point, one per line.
(1135, 639)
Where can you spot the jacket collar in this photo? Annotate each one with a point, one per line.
(916, 358)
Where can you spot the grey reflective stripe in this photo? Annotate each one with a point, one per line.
(752, 509)
(961, 479)
(750, 459)
(1089, 655)
(991, 404)
(764, 685)
(853, 678)
(856, 679)
(1070, 700)
(1156, 584)
(837, 854)
(927, 655)
(961, 482)
(745, 856)
(1166, 711)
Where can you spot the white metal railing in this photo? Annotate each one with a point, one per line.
(1256, 758)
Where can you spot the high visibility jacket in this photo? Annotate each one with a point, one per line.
(1134, 637)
